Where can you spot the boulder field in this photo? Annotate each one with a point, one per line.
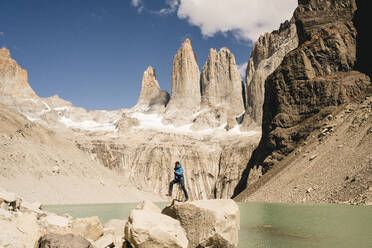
(203, 223)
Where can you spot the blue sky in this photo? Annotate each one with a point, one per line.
(93, 52)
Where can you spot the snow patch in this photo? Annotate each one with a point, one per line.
(154, 122)
(88, 125)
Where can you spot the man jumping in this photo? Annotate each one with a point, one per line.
(178, 178)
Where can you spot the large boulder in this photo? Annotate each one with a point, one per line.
(27, 224)
(64, 241)
(19, 230)
(115, 228)
(52, 223)
(149, 228)
(106, 241)
(90, 228)
(208, 223)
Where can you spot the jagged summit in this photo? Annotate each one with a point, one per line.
(151, 95)
(267, 54)
(220, 82)
(13, 79)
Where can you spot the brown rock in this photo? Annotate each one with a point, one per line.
(311, 81)
(266, 56)
(13, 79)
(63, 241)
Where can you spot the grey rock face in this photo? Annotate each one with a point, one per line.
(151, 96)
(220, 82)
(211, 170)
(185, 97)
(185, 77)
(266, 56)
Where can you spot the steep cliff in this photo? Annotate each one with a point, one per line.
(212, 167)
(266, 56)
(185, 96)
(13, 79)
(311, 83)
(220, 82)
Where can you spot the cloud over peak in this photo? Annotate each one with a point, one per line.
(246, 19)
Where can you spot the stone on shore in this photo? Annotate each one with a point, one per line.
(90, 228)
(28, 225)
(208, 223)
(147, 228)
(53, 223)
(116, 228)
(106, 241)
(64, 241)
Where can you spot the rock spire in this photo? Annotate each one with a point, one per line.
(220, 82)
(151, 95)
(185, 79)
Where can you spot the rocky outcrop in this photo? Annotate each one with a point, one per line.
(148, 228)
(13, 79)
(311, 80)
(220, 82)
(185, 97)
(213, 223)
(151, 98)
(266, 56)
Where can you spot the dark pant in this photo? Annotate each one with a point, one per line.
(182, 187)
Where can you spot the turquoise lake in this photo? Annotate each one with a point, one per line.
(270, 225)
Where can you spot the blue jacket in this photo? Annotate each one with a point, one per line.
(178, 173)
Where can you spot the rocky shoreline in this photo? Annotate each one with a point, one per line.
(203, 223)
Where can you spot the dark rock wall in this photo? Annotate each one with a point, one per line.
(312, 79)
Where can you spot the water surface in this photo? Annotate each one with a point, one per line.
(270, 225)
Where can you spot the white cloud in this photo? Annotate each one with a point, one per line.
(172, 7)
(136, 3)
(247, 19)
(242, 69)
(1, 34)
